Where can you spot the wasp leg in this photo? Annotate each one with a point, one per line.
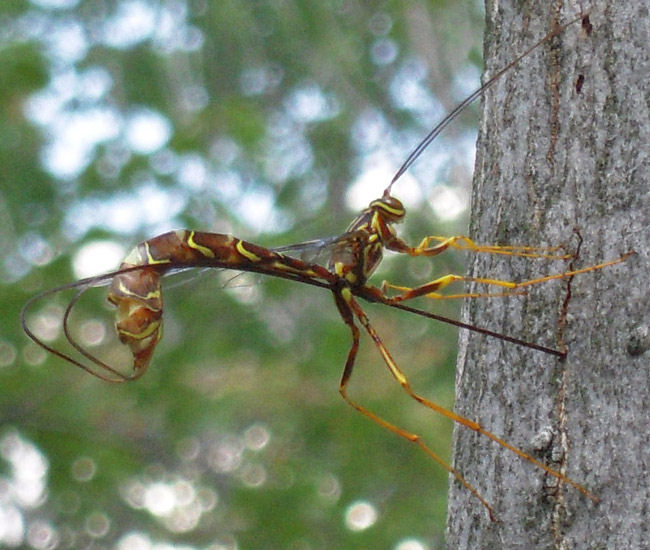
(461, 242)
(431, 289)
(348, 307)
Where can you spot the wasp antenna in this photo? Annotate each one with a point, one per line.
(433, 134)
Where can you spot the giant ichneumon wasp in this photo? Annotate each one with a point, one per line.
(135, 289)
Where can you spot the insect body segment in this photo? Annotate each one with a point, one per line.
(356, 257)
(137, 293)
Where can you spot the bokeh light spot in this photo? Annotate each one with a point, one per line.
(360, 515)
(84, 469)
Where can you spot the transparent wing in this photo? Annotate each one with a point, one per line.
(317, 251)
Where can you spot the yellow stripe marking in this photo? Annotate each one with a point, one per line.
(153, 327)
(199, 248)
(383, 206)
(283, 267)
(374, 223)
(128, 292)
(151, 260)
(246, 253)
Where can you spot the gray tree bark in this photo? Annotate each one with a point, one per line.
(564, 144)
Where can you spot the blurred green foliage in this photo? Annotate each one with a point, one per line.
(236, 437)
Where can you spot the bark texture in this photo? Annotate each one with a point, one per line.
(564, 144)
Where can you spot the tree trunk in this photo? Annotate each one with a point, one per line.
(563, 144)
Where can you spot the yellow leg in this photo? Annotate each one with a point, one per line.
(349, 310)
(460, 242)
(431, 289)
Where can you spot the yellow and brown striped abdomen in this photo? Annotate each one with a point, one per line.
(137, 293)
